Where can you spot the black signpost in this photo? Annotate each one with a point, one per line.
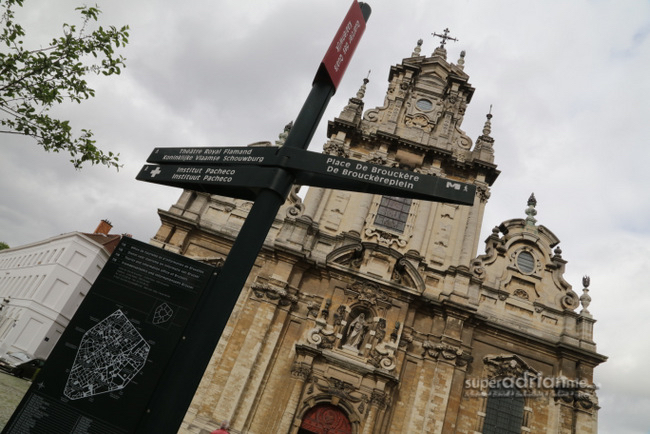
(262, 174)
(279, 168)
(211, 317)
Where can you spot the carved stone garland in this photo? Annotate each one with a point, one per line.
(369, 292)
(581, 399)
(274, 293)
(446, 352)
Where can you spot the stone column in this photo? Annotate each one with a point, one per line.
(244, 361)
(359, 213)
(314, 203)
(300, 373)
(377, 406)
(421, 227)
(272, 319)
(471, 232)
(564, 413)
(436, 405)
(414, 420)
(237, 373)
(586, 421)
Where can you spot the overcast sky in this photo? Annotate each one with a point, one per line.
(568, 82)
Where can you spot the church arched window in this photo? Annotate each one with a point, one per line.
(393, 213)
(507, 385)
(504, 412)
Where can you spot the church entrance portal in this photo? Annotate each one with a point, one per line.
(325, 419)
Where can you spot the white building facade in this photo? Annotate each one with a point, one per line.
(42, 284)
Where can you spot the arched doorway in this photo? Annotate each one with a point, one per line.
(325, 419)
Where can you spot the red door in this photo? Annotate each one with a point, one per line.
(325, 419)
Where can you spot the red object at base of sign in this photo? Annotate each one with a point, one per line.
(347, 38)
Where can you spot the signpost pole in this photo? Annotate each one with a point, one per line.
(175, 392)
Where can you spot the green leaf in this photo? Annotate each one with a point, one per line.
(33, 80)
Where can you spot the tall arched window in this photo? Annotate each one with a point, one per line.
(504, 413)
(393, 212)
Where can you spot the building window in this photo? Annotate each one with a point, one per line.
(424, 105)
(525, 262)
(504, 413)
(393, 213)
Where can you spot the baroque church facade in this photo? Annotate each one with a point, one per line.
(373, 314)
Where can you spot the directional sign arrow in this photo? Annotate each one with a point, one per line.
(321, 170)
(243, 182)
(309, 168)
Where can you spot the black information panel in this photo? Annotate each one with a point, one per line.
(102, 372)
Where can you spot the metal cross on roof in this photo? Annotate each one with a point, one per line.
(444, 37)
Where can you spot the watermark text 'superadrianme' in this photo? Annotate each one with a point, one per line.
(526, 384)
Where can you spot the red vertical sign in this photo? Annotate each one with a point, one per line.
(340, 52)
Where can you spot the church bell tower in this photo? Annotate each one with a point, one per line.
(418, 128)
(373, 314)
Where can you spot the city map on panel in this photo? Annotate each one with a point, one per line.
(110, 355)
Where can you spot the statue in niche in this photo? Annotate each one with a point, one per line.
(355, 333)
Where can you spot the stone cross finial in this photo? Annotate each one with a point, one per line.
(487, 128)
(362, 90)
(585, 298)
(445, 37)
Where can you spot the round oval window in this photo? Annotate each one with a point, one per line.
(424, 105)
(526, 262)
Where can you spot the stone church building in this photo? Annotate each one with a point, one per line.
(373, 314)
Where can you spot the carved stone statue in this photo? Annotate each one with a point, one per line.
(355, 333)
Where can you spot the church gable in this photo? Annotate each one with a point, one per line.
(523, 271)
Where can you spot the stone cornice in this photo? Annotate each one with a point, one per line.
(550, 347)
(581, 354)
(334, 358)
(179, 220)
